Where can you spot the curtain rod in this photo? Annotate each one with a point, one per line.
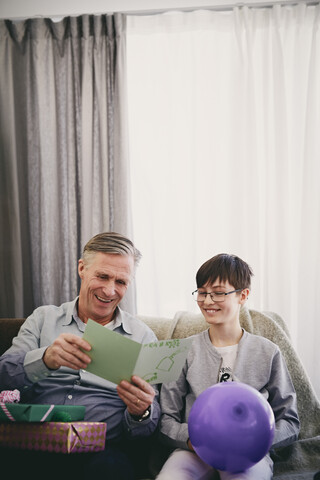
(224, 7)
(221, 8)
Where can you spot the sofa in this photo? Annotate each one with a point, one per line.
(299, 461)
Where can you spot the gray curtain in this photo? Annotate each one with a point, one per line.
(64, 172)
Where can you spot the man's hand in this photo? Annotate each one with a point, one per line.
(137, 395)
(66, 352)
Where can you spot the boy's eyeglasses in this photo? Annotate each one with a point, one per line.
(215, 296)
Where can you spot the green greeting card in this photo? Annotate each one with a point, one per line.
(115, 357)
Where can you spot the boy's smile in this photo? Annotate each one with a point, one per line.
(224, 311)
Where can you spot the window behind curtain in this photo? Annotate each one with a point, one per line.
(223, 121)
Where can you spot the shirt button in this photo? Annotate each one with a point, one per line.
(70, 397)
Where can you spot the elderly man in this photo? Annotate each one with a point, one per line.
(47, 360)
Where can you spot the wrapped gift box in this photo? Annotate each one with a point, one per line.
(19, 412)
(57, 437)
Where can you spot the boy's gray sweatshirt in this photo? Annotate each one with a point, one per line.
(259, 363)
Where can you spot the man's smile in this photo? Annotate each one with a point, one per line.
(104, 300)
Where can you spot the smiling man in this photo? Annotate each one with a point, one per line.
(47, 362)
(104, 281)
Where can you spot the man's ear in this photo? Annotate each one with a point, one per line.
(81, 267)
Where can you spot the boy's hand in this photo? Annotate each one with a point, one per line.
(190, 445)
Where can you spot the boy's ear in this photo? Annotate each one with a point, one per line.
(244, 295)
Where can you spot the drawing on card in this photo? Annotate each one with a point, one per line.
(165, 365)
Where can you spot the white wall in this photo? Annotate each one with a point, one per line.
(32, 8)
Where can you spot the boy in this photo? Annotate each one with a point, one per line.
(225, 352)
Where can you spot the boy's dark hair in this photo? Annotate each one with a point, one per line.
(226, 268)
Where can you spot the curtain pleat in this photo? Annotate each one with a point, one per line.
(62, 119)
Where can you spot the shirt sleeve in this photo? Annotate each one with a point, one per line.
(134, 428)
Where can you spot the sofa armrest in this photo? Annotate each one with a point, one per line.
(9, 328)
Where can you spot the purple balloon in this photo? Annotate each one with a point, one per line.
(231, 426)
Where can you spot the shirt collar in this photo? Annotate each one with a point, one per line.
(122, 320)
(72, 312)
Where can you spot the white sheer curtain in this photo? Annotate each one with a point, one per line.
(224, 122)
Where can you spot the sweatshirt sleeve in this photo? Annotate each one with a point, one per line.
(173, 427)
(282, 398)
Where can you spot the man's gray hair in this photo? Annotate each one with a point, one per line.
(111, 242)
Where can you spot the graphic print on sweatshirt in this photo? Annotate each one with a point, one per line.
(225, 374)
(228, 355)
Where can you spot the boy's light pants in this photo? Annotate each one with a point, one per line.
(186, 465)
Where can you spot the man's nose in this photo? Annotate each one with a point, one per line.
(109, 288)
